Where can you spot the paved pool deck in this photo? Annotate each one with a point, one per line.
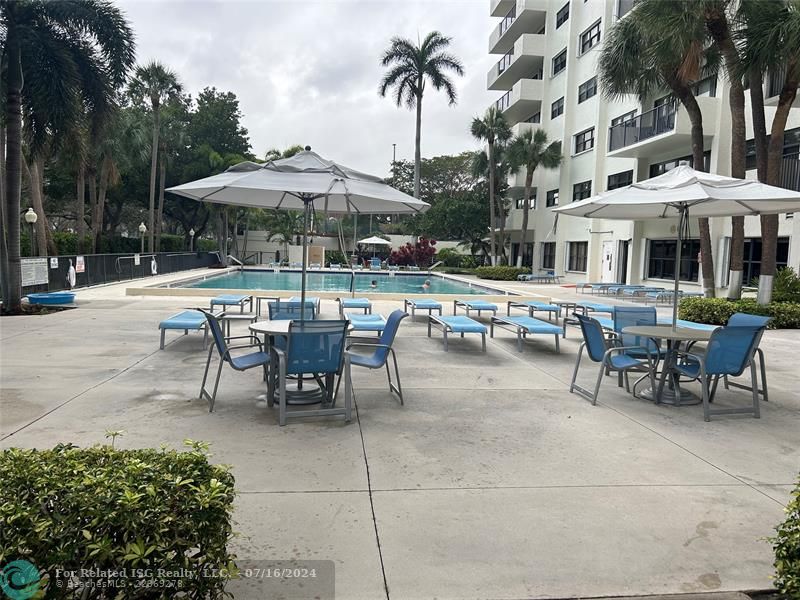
(493, 481)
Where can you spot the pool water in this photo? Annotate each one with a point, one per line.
(340, 282)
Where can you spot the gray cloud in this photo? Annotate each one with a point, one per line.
(307, 71)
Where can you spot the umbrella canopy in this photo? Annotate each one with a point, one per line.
(682, 191)
(375, 241)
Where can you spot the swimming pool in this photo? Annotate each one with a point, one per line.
(405, 283)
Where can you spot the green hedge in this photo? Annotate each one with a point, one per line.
(454, 259)
(786, 544)
(68, 509)
(717, 311)
(501, 273)
(67, 243)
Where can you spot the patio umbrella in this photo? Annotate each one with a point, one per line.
(682, 191)
(306, 181)
(375, 241)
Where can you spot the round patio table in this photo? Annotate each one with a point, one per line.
(669, 389)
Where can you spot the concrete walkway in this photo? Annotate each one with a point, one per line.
(491, 482)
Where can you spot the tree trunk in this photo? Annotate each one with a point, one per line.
(153, 166)
(100, 208)
(759, 122)
(12, 301)
(161, 185)
(80, 207)
(769, 223)
(44, 242)
(91, 177)
(525, 213)
(706, 254)
(492, 206)
(418, 147)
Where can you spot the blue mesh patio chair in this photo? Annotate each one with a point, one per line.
(612, 356)
(290, 311)
(730, 351)
(314, 348)
(381, 352)
(632, 316)
(739, 319)
(241, 362)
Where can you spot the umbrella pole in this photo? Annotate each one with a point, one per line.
(306, 219)
(682, 223)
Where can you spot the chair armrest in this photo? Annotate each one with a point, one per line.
(244, 337)
(368, 345)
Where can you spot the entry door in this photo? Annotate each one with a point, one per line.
(607, 274)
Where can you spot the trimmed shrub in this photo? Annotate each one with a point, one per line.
(501, 273)
(717, 311)
(70, 509)
(336, 256)
(786, 286)
(449, 256)
(786, 545)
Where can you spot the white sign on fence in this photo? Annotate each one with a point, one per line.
(80, 266)
(54, 263)
(137, 260)
(34, 271)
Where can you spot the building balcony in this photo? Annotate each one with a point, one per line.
(522, 102)
(524, 16)
(500, 8)
(774, 82)
(662, 130)
(524, 61)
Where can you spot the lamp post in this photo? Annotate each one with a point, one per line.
(191, 239)
(30, 218)
(142, 231)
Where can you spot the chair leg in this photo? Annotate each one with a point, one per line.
(163, 333)
(575, 371)
(483, 342)
(597, 384)
(754, 383)
(348, 391)
(281, 393)
(205, 374)
(763, 366)
(706, 400)
(394, 388)
(216, 385)
(558, 348)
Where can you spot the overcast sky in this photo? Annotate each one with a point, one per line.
(307, 71)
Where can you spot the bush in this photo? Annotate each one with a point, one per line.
(336, 256)
(717, 311)
(786, 286)
(787, 549)
(70, 509)
(449, 256)
(501, 273)
(420, 253)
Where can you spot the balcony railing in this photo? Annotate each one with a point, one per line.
(777, 79)
(790, 172)
(505, 62)
(508, 20)
(504, 102)
(654, 122)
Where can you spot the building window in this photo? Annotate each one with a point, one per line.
(576, 260)
(706, 87)
(584, 141)
(537, 118)
(791, 147)
(752, 257)
(520, 202)
(557, 108)
(552, 198)
(560, 62)
(587, 89)
(548, 255)
(623, 118)
(623, 7)
(589, 38)
(562, 15)
(618, 180)
(668, 165)
(661, 260)
(581, 191)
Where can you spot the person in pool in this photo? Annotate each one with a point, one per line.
(374, 284)
(427, 285)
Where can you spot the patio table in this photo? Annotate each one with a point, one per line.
(669, 390)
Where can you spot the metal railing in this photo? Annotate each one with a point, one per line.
(790, 172)
(508, 20)
(99, 269)
(777, 79)
(505, 62)
(504, 102)
(654, 122)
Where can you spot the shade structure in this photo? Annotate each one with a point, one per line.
(680, 193)
(375, 241)
(306, 182)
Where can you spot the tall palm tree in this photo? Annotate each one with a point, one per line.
(59, 57)
(156, 84)
(640, 56)
(410, 68)
(481, 168)
(492, 128)
(529, 150)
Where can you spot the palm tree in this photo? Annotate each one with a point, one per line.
(156, 84)
(529, 150)
(492, 128)
(502, 168)
(641, 56)
(410, 68)
(58, 58)
(283, 226)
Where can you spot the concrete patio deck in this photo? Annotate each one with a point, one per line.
(491, 482)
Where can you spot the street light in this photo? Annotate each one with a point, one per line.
(191, 239)
(142, 231)
(30, 218)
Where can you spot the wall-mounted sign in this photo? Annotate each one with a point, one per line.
(34, 271)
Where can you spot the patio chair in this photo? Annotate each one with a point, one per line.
(738, 319)
(366, 322)
(375, 264)
(243, 362)
(612, 356)
(382, 350)
(632, 316)
(314, 348)
(290, 311)
(730, 351)
(310, 301)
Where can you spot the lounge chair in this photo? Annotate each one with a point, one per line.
(354, 304)
(474, 305)
(421, 304)
(336, 266)
(296, 265)
(524, 326)
(186, 320)
(232, 300)
(310, 301)
(375, 264)
(581, 287)
(366, 322)
(594, 307)
(315, 266)
(457, 324)
(531, 306)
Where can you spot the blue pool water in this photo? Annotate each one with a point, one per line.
(340, 282)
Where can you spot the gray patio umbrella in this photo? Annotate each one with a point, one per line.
(306, 181)
(681, 192)
(375, 241)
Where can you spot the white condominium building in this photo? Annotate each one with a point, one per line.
(546, 77)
